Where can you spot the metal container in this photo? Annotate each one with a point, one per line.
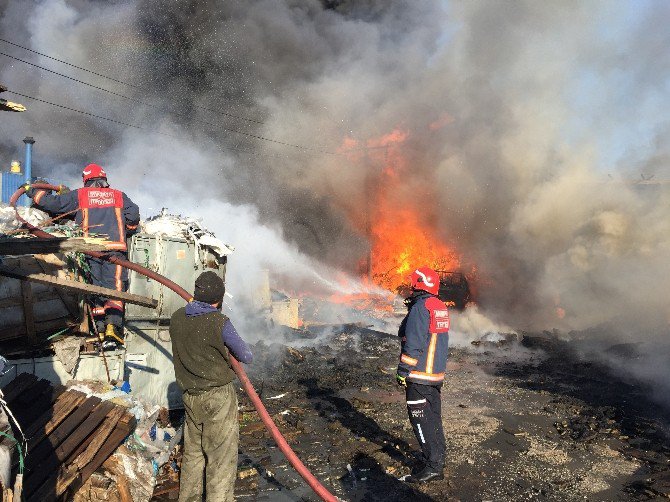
(10, 183)
(89, 367)
(149, 368)
(176, 258)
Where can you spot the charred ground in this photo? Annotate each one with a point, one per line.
(525, 418)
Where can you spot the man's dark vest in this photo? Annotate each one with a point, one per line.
(200, 357)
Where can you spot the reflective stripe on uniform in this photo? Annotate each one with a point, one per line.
(423, 440)
(119, 222)
(84, 221)
(408, 360)
(419, 401)
(433, 377)
(38, 196)
(121, 246)
(117, 276)
(113, 304)
(431, 353)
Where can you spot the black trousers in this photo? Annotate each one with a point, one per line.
(424, 406)
(108, 275)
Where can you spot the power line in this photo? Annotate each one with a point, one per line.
(116, 93)
(76, 80)
(69, 64)
(116, 80)
(82, 112)
(228, 129)
(134, 126)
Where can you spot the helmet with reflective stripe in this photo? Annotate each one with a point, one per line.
(92, 171)
(426, 279)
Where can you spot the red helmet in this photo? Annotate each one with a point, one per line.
(93, 171)
(426, 279)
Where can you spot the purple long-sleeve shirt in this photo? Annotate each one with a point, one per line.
(237, 347)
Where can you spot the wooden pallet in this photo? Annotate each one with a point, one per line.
(69, 435)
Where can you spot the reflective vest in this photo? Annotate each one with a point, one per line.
(424, 334)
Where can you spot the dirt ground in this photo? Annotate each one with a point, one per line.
(525, 419)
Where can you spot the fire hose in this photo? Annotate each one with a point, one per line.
(293, 459)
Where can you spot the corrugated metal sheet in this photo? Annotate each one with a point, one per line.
(10, 183)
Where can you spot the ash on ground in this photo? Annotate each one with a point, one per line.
(525, 418)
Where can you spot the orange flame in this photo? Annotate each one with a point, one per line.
(400, 244)
(401, 237)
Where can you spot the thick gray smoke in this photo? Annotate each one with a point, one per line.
(524, 122)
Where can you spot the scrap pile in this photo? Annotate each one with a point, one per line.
(43, 283)
(171, 225)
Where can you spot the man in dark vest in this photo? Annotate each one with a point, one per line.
(202, 341)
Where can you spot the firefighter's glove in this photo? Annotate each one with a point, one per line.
(401, 380)
(63, 189)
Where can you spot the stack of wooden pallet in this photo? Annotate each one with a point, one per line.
(69, 435)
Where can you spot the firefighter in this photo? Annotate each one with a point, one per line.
(98, 209)
(424, 334)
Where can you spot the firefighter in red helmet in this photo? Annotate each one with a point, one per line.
(101, 210)
(424, 334)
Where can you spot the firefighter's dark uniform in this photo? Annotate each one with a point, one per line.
(423, 360)
(106, 212)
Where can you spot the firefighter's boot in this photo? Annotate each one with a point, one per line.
(112, 335)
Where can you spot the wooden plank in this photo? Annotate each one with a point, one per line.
(58, 435)
(28, 398)
(28, 312)
(84, 325)
(39, 415)
(45, 402)
(61, 448)
(78, 286)
(98, 416)
(49, 259)
(124, 427)
(123, 422)
(14, 388)
(47, 490)
(72, 310)
(39, 296)
(21, 246)
(114, 466)
(67, 399)
(40, 327)
(50, 420)
(34, 392)
(101, 435)
(50, 490)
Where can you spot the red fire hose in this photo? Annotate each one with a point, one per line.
(297, 464)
